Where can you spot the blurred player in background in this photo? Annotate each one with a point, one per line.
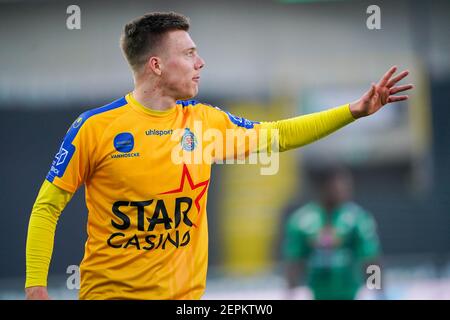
(330, 242)
(147, 223)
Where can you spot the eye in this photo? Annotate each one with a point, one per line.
(190, 53)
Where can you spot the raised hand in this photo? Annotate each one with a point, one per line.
(380, 94)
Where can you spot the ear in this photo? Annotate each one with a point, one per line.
(154, 65)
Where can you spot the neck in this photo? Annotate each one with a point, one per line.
(151, 96)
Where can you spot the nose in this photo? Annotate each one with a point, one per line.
(200, 63)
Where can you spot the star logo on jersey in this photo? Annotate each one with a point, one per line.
(202, 186)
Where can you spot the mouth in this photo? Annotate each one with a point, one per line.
(196, 79)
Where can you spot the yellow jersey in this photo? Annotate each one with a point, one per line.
(146, 191)
(147, 223)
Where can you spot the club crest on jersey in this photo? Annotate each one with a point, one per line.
(188, 141)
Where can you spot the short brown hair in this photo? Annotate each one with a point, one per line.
(142, 35)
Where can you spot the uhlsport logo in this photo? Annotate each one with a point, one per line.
(155, 132)
(124, 143)
(189, 141)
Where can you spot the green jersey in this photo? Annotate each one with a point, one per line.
(335, 245)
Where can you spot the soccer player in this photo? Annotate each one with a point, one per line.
(330, 241)
(147, 223)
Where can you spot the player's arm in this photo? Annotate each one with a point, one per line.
(47, 208)
(69, 169)
(302, 130)
(299, 131)
(296, 132)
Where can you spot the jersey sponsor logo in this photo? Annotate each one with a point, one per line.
(188, 141)
(61, 156)
(125, 155)
(124, 142)
(159, 223)
(154, 132)
(176, 234)
(54, 171)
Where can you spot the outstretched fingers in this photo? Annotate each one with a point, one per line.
(397, 98)
(398, 89)
(397, 78)
(384, 80)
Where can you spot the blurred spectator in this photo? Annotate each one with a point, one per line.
(330, 242)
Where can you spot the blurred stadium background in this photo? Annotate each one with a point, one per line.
(265, 60)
